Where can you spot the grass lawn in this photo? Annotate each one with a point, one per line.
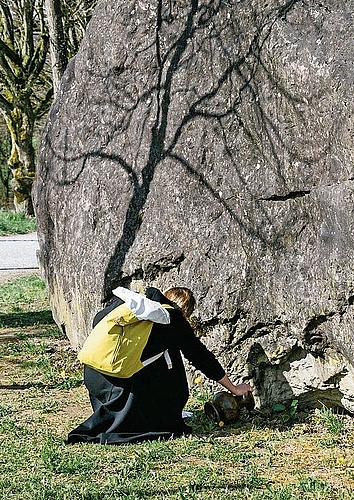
(16, 223)
(270, 455)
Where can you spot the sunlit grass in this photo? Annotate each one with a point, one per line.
(262, 457)
(333, 422)
(17, 295)
(16, 223)
(24, 302)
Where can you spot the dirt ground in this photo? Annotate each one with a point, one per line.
(6, 276)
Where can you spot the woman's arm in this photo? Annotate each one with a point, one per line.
(200, 356)
(237, 390)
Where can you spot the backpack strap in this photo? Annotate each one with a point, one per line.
(168, 359)
(166, 355)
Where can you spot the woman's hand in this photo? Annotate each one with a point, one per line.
(237, 390)
(242, 389)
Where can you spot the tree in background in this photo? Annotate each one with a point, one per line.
(28, 29)
(58, 50)
(76, 16)
(67, 21)
(5, 179)
(25, 87)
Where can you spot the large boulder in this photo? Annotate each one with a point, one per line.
(209, 144)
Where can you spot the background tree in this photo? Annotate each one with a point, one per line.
(5, 179)
(76, 16)
(25, 87)
(58, 51)
(26, 80)
(67, 21)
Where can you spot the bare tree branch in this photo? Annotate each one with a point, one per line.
(4, 104)
(10, 54)
(6, 21)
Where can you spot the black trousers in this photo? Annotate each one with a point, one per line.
(128, 410)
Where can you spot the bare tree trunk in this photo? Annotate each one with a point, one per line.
(22, 158)
(57, 41)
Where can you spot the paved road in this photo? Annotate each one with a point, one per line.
(18, 254)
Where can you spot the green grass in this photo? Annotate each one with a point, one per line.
(333, 423)
(262, 457)
(23, 302)
(16, 223)
(24, 291)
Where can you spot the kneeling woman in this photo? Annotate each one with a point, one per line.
(149, 404)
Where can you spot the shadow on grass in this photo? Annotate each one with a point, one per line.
(29, 318)
(69, 383)
(21, 387)
(256, 420)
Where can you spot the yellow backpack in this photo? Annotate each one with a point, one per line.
(115, 344)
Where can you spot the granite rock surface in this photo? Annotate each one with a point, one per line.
(209, 144)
